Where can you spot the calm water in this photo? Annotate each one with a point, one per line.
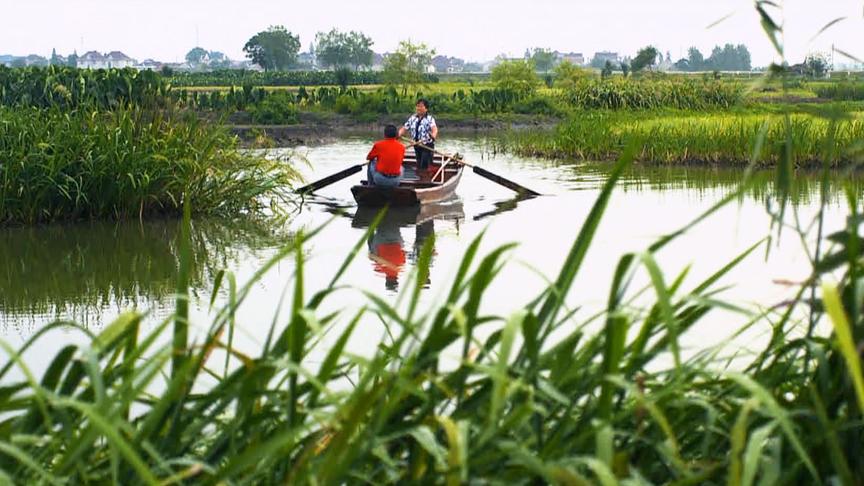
(90, 273)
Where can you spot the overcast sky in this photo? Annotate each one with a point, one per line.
(475, 30)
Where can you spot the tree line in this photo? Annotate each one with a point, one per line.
(726, 58)
(277, 49)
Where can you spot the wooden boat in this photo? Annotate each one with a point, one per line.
(413, 191)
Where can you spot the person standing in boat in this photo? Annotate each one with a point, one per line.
(385, 159)
(423, 129)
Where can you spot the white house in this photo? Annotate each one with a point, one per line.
(92, 60)
(148, 64)
(118, 60)
(114, 59)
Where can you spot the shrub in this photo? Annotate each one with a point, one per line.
(275, 109)
(515, 76)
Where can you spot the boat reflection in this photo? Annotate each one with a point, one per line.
(387, 246)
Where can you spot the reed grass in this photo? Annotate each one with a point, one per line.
(126, 163)
(696, 138)
(841, 91)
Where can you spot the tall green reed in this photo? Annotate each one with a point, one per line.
(127, 163)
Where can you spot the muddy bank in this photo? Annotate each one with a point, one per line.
(317, 129)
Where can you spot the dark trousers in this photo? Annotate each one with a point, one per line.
(424, 157)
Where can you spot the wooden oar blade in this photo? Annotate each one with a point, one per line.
(329, 179)
(504, 182)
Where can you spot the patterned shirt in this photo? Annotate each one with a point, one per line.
(421, 128)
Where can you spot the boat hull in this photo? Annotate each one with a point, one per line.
(409, 192)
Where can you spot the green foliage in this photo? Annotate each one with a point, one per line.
(542, 395)
(239, 77)
(516, 76)
(69, 88)
(569, 75)
(543, 59)
(646, 94)
(275, 109)
(726, 58)
(343, 77)
(336, 49)
(625, 69)
(127, 163)
(274, 49)
(816, 66)
(407, 66)
(698, 138)
(645, 59)
(196, 55)
(842, 91)
(607, 70)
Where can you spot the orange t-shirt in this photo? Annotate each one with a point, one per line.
(390, 153)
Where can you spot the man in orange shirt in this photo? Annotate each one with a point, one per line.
(386, 156)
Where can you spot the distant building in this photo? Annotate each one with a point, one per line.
(307, 60)
(92, 60)
(114, 59)
(574, 57)
(603, 56)
(445, 64)
(34, 60)
(148, 65)
(117, 59)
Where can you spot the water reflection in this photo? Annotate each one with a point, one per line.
(387, 248)
(76, 271)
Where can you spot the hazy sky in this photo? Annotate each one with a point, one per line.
(475, 30)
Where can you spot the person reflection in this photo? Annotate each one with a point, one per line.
(386, 250)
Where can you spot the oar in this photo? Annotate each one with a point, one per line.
(331, 179)
(485, 173)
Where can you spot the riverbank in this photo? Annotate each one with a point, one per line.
(316, 128)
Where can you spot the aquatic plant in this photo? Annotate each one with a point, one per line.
(126, 163)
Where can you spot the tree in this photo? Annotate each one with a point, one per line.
(55, 59)
(407, 65)
(729, 58)
(607, 70)
(337, 49)
(598, 62)
(625, 68)
(816, 66)
(517, 76)
(72, 60)
(196, 55)
(273, 49)
(695, 59)
(568, 75)
(543, 59)
(219, 60)
(645, 58)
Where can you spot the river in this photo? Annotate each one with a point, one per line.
(89, 273)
